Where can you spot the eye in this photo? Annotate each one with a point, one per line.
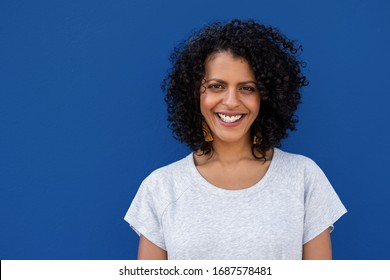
(248, 89)
(215, 86)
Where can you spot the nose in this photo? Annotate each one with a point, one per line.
(231, 98)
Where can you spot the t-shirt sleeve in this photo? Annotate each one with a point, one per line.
(144, 214)
(322, 205)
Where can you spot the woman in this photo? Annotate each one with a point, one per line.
(231, 95)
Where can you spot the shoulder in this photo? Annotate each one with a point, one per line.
(300, 169)
(167, 183)
(303, 169)
(295, 162)
(171, 172)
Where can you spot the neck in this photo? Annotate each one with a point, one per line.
(232, 152)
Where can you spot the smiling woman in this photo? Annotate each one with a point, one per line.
(230, 101)
(231, 98)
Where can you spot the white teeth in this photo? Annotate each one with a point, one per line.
(229, 119)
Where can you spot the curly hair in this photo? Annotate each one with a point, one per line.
(273, 59)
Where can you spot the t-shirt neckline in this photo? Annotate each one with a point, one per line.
(212, 189)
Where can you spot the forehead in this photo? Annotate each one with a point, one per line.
(222, 64)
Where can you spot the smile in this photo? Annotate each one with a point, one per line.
(229, 119)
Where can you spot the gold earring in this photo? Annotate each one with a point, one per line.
(256, 140)
(208, 137)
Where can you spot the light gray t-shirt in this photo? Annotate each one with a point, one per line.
(181, 212)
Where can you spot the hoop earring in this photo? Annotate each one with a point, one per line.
(208, 137)
(257, 140)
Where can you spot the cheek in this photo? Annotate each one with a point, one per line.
(207, 102)
(258, 105)
(253, 103)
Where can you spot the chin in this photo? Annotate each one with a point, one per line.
(231, 139)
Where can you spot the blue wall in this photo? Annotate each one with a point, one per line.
(83, 121)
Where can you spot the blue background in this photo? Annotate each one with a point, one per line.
(83, 121)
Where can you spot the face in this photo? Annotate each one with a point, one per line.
(229, 99)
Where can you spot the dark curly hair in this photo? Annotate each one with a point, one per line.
(273, 59)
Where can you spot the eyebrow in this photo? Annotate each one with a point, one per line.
(224, 82)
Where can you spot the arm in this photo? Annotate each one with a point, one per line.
(319, 248)
(147, 250)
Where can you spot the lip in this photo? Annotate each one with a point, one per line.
(231, 113)
(237, 123)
